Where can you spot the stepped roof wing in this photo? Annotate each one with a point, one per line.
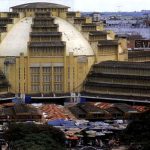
(47, 44)
(89, 24)
(124, 64)
(108, 42)
(98, 33)
(138, 53)
(45, 34)
(39, 5)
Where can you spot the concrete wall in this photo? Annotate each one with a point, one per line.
(21, 15)
(9, 26)
(100, 27)
(78, 67)
(88, 20)
(78, 27)
(78, 14)
(70, 20)
(86, 35)
(62, 15)
(15, 20)
(2, 36)
(3, 14)
(110, 35)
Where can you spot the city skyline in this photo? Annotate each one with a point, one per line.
(90, 5)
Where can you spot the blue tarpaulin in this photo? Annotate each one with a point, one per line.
(15, 100)
(57, 122)
(62, 122)
(27, 99)
(82, 100)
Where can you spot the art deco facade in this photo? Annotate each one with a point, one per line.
(44, 48)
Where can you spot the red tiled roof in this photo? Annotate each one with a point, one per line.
(140, 108)
(54, 111)
(103, 105)
(7, 104)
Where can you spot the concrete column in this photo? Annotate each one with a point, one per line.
(22, 66)
(95, 49)
(52, 86)
(65, 72)
(71, 65)
(28, 75)
(41, 79)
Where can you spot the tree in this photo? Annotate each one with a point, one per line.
(31, 136)
(138, 132)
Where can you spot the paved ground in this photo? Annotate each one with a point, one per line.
(75, 41)
(16, 39)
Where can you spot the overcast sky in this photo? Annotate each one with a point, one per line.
(88, 5)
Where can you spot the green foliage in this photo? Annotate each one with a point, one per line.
(34, 137)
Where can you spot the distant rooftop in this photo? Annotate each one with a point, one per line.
(40, 5)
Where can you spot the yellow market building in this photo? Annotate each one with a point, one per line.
(44, 48)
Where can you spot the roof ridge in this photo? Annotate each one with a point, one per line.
(35, 5)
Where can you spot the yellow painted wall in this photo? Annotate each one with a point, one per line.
(21, 15)
(78, 68)
(110, 35)
(78, 14)
(62, 15)
(3, 14)
(88, 20)
(2, 36)
(100, 27)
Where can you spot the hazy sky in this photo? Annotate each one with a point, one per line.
(88, 5)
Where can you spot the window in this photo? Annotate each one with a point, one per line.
(46, 78)
(68, 73)
(35, 78)
(58, 74)
(46, 69)
(35, 88)
(58, 70)
(58, 87)
(46, 88)
(35, 75)
(58, 78)
(35, 70)
(46, 74)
